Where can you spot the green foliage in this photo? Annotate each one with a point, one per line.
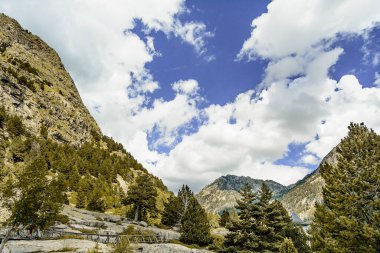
(122, 247)
(97, 137)
(142, 196)
(171, 214)
(263, 224)
(15, 126)
(3, 116)
(33, 199)
(195, 228)
(348, 220)
(97, 201)
(44, 131)
(224, 218)
(3, 47)
(217, 243)
(287, 246)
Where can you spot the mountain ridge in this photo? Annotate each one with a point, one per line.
(299, 197)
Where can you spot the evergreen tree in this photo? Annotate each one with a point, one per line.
(224, 218)
(287, 246)
(142, 196)
(348, 220)
(184, 196)
(240, 230)
(97, 201)
(263, 224)
(33, 199)
(195, 228)
(171, 214)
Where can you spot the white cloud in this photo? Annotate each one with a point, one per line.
(294, 26)
(377, 79)
(187, 87)
(309, 159)
(351, 103)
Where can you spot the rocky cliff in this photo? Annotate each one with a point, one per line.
(35, 86)
(223, 192)
(301, 198)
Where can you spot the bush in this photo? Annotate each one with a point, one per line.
(15, 126)
(122, 247)
(3, 116)
(64, 219)
(3, 47)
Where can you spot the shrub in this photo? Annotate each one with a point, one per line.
(3, 116)
(15, 126)
(122, 247)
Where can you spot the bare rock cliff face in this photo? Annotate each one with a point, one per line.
(35, 86)
(308, 191)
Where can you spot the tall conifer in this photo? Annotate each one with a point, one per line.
(348, 220)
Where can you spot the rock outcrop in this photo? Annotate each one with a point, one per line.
(223, 192)
(35, 86)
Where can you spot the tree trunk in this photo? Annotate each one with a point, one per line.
(137, 210)
(5, 239)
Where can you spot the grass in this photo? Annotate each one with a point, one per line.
(131, 230)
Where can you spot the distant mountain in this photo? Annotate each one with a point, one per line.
(223, 192)
(299, 198)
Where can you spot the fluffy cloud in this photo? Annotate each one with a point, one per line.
(294, 26)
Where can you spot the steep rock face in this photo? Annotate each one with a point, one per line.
(223, 192)
(306, 192)
(35, 86)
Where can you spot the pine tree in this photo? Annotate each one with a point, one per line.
(262, 225)
(348, 220)
(287, 246)
(240, 230)
(171, 214)
(184, 196)
(33, 200)
(195, 228)
(224, 218)
(142, 196)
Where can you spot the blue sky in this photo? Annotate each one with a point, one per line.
(198, 89)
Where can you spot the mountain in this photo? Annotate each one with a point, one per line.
(298, 198)
(301, 198)
(223, 192)
(36, 87)
(42, 115)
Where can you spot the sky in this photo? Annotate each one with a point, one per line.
(198, 89)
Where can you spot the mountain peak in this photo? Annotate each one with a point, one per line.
(224, 191)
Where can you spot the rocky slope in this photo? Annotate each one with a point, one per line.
(35, 86)
(223, 192)
(306, 192)
(299, 197)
